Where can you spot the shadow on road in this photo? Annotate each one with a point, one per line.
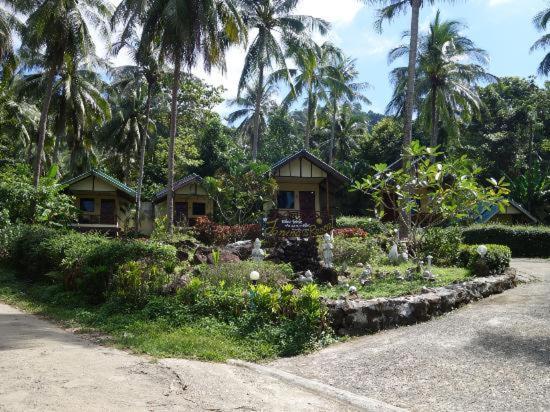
(532, 348)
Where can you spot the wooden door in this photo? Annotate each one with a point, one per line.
(107, 212)
(180, 213)
(307, 206)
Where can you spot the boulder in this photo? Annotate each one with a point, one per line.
(178, 283)
(203, 255)
(327, 275)
(242, 249)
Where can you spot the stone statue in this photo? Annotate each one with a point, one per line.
(258, 254)
(393, 256)
(427, 274)
(327, 250)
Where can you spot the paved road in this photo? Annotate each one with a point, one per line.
(491, 355)
(43, 368)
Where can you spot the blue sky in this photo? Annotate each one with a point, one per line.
(502, 27)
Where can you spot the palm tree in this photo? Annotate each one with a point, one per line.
(79, 107)
(186, 31)
(541, 23)
(278, 29)
(342, 90)
(8, 24)
(448, 69)
(390, 10)
(60, 28)
(312, 78)
(246, 113)
(148, 70)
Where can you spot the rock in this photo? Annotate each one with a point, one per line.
(201, 255)
(358, 317)
(360, 265)
(327, 275)
(243, 249)
(204, 255)
(225, 257)
(178, 283)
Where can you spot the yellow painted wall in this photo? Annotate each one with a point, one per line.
(298, 187)
(160, 208)
(300, 168)
(91, 184)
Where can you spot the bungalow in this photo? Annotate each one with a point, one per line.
(190, 201)
(514, 213)
(103, 201)
(306, 193)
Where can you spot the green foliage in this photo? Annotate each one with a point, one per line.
(86, 262)
(241, 193)
(443, 244)
(494, 263)
(371, 225)
(237, 273)
(20, 202)
(524, 241)
(354, 250)
(436, 193)
(136, 281)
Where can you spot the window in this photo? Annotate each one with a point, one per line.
(87, 205)
(285, 199)
(199, 209)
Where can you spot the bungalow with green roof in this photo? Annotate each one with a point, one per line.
(104, 202)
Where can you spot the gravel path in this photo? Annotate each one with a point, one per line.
(491, 355)
(44, 368)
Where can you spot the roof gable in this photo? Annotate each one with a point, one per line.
(329, 170)
(103, 176)
(192, 178)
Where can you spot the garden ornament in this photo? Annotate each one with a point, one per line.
(352, 290)
(393, 256)
(307, 277)
(327, 250)
(258, 254)
(482, 250)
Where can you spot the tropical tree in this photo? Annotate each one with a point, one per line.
(311, 78)
(132, 78)
(186, 31)
(8, 23)
(342, 89)
(448, 69)
(541, 23)
(277, 30)
(247, 109)
(60, 28)
(78, 107)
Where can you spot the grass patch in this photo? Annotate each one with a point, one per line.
(203, 338)
(391, 287)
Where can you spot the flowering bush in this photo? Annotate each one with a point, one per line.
(213, 233)
(348, 232)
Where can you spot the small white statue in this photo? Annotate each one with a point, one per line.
(258, 254)
(327, 250)
(393, 256)
(352, 290)
(427, 274)
(367, 272)
(404, 257)
(306, 277)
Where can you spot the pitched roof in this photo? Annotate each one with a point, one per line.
(192, 178)
(103, 176)
(316, 161)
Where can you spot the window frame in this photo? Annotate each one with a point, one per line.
(291, 203)
(87, 199)
(203, 204)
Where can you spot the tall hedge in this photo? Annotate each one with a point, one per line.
(524, 241)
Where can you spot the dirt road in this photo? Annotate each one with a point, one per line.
(492, 355)
(44, 368)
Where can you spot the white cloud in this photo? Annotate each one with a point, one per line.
(336, 12)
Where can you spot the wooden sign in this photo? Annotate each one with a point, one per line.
(297, 224)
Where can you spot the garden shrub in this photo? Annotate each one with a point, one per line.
(443, 244)
(355, 249)
(495, 262)
(87, 262)
(237, 273)
(135, 281)
(213, 233)
(371, 225)
(350, 232)
(524, 241)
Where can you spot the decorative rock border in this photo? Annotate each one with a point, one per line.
(359, 317)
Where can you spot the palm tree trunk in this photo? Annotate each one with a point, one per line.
(142, 148)
(405, 222)
(332, 132)
(435, 120)
(309, 120)
(413, 48)
(173, 123)
(42, 126)
(257, 109)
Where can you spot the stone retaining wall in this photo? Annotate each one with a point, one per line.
(359, 317)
